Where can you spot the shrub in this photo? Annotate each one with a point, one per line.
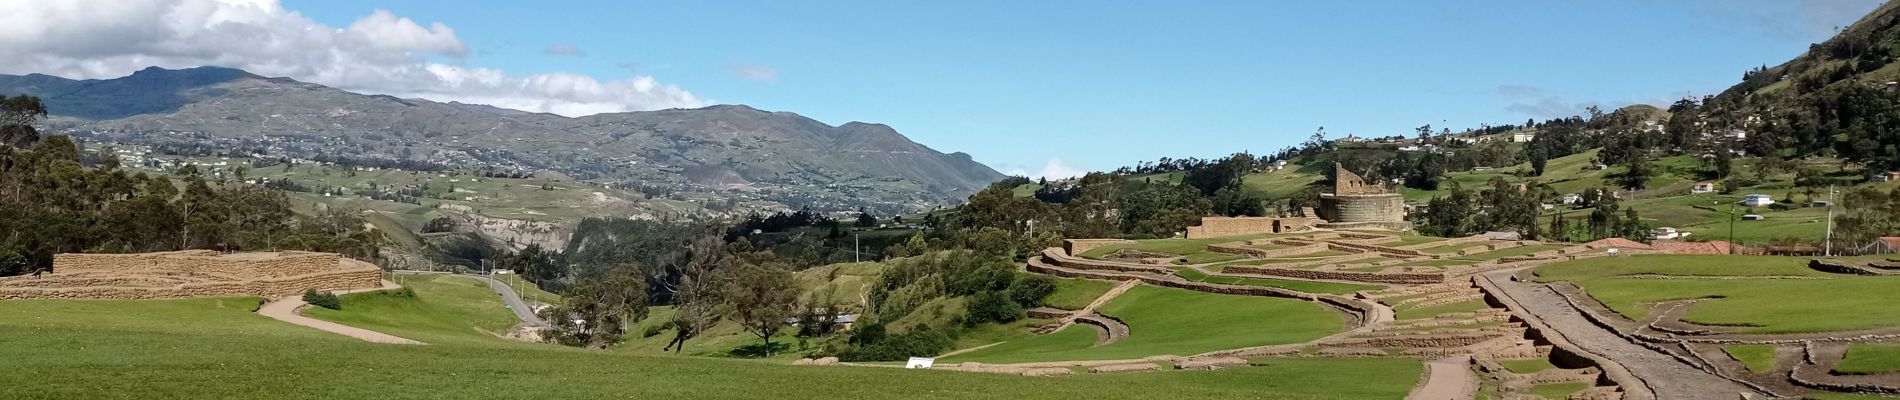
(1030, 290)
(992, 306)
(919, 342)
(322, 299)
(653, 330)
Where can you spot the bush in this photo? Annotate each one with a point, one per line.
(1029, 291)
(653, 330)
(322, 299)
(992, 306)
(919, 342)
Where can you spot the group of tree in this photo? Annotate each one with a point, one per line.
(51, 203)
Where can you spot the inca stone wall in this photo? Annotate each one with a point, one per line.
(1235, 226)
(1075, 247)
(191, 274)
(1362, 208)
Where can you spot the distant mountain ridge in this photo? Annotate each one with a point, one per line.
(797, 160)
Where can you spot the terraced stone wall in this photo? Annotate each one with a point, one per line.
(1236, 226)
(191, 274)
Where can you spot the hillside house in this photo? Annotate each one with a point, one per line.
(1522, 137)
(1757, 200)
(1668, 233)
(1572, 198)
(1884, 245)
(1889, 176)
(1702, 187)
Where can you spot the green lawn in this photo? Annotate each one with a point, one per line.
(1427, 312)
(1076, 294)
(1558, 391)
(445, 308)
(1526, 366)
(1181, 247)
(1759, 358)
(1870, 359)
(1289, 284)
(1178, 322)
(1762, 305)
(219, 349)
(1513, 252)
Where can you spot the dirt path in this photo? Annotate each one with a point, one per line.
(1448, 378)
(285, 309)
(1666, 376)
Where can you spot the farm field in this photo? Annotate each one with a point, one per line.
(1761, 294)
(1177, 322)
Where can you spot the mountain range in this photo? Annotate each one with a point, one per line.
(777, 156)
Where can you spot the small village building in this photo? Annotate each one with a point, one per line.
(1753, 217)
(1668, 233)
(1572, 198)
(1757, 200)
(1702, 187)
(1889, 176)
(1521, 137)
(1884, 245)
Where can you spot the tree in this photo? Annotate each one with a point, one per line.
(866, 220)
(697, 294)
(763, 296)
(17, 115)
(596, 313)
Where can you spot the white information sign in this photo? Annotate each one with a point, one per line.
(920, 362)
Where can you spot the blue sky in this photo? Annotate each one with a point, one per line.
(1098, 85)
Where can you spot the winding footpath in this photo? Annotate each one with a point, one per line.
(1667, 377)
(285, 309)
(1448, 378)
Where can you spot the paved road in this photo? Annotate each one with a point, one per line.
(522, 309)
(285, 309)
(1671, 379)
(508, 295)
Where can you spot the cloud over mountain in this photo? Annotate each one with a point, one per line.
(379, 53)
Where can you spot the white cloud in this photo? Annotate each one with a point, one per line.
(1055, 168)
(381, 53)
(754, 72)
(564, 49)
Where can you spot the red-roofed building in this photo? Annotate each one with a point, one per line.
(1885, 245)
(1619, 243)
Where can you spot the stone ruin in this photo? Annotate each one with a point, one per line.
(1236, 226)
(1357, 204)
(191, 273)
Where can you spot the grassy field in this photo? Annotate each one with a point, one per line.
(1179, 247)
(1512, 252)
(1870, 359)
(1759, 358)
(445, 308)
(1526, 366)
(1427, 312)
(1558, 391)
(1178, 322)
(1761, 305)
(1289, 284)
(1076, 294)
(219, 349)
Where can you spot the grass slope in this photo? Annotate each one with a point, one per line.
(445, 308)
(1076, 294)
(1763, 305)
(1870, 359)
(219, 349)
(1178, 322)
(1759, 358)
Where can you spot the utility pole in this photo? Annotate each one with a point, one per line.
(1829, 243)
(857, 251)
(1731, 229)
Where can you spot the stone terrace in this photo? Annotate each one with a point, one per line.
(197, 273)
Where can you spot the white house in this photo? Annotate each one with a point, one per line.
(1757, 200)
(1668, 233)
(1572, 198)
(1521, 137)
(1702, 187)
